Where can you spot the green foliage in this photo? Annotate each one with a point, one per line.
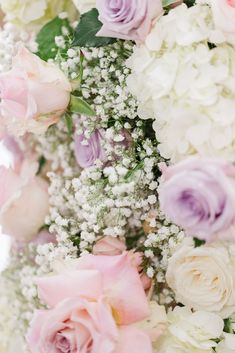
(198, 242)
(78, 105)
(47, 48)
(69, 123)
(166, 3)
(189, 3)
(85, 33)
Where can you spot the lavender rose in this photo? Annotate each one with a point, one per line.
(87, 154)
(199, 195)
(127, 19)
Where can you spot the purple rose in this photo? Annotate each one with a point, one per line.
(198, 194)
(127, 19)
(87, 154)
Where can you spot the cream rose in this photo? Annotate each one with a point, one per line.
(191, 332)
(203, 278)
(33, 12)
(84, 5)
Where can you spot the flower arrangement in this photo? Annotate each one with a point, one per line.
(117, 177)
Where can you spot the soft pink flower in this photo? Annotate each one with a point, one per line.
(24, 201)
(128, 19)
(224, 14)
(14, 154)
(93, 309)
(109, 246)
(33, 94)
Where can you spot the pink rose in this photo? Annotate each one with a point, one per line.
(24, 201)
(33, 94)
(44, 237)
(93, 309)
(13, 155)
(224, 14)
(128, 19)
(109, 246)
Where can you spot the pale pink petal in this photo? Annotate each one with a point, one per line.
(120, 276)
(133, 340)
(84, 283)
(10, 183)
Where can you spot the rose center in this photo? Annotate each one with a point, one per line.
(62, 344)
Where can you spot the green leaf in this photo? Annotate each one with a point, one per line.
(166, 3)
(41, 163)
(69, 123)
(198, 242)
(85, 33)
(47, 48)
(189, 3)
(78, 105)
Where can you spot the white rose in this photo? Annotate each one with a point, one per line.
(227, 345)
(203, 278)
(155, 325)
(191, 332)
(84, 5)
(36, 12)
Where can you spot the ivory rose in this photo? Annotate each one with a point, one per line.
(33, 12)
(193, 332)
(203, 278)
(24, 201)
(33, 94)
(127, 19)
(84, 5)
(224, 14)
(198, 194)
(92, 309)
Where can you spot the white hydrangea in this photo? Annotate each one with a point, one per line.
(191, 332)
(186, 84)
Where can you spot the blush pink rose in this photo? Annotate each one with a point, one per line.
(109, 246)
(24, 201)
(93, 308)
(33, 94)
(224, 14)
(128, 19)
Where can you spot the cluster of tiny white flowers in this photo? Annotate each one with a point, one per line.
(186, 84)
(10, 37)
(48, 254)
(104, 82)
(18, 298)
(162, 240)
(113, 201)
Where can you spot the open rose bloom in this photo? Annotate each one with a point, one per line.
(127, 19)
(198, 194)
(24, 201)
(94, 307)
(34, 94)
